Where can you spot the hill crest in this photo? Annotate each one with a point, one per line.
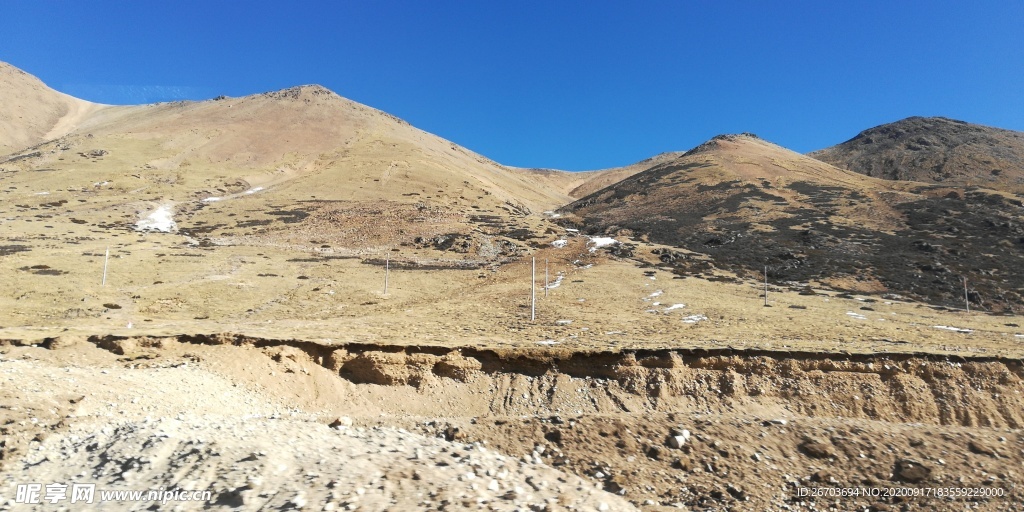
(934, 150)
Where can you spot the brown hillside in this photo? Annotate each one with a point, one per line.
(936, 150)
(583, 183)
(298, 167)
(31, 112)
(747, 203)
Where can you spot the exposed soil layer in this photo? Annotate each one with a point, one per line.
(760, 425)
(909, 388)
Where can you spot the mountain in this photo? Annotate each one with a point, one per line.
(582, 183)
(31, 112)
(345, 174)
(934, 150)
(741, 203)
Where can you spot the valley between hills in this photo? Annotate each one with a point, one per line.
(296, 301)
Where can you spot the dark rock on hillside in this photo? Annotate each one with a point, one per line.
(741, 204)
(935, 150)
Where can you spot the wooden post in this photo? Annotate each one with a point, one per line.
(533, 290)
(967, 300)
(106, 259)
(387, 270)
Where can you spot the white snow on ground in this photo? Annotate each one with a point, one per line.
(42, 193)
(211, 199)
(601, 241)
(692, 319)
(547, 342)
(858, 316)
(253, 190)
(656, 293)
(556, 283)
(675, 306)
(954, 329)
(558, 244)
(1018, 335)
(161, 219)
(552, 214)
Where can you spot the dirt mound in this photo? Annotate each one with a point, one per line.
(936, 150)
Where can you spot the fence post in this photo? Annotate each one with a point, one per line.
(106, 259)
(533, 290)
(387, 270)
(766, 285)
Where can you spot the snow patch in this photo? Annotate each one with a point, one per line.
(556, 283)
(547, 342)
(161, 219)
(656, 293)
(954, 329)
(601, 241)
(858, 316)
(253, 190)
(212, 199)
(558, 244)
(692, 319)
(674, 307)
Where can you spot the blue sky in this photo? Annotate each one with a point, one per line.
(567, 85)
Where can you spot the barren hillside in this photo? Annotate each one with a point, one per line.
(579, 184)
(748, 204)
(31, 112)
(327, 172)
(935, 150)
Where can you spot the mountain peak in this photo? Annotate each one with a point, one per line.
(715, 142)
(934, 149)
(307, 93)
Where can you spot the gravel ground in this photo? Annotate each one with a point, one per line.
(249, 452)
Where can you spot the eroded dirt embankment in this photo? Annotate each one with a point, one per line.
(902, 388)
(764, 425)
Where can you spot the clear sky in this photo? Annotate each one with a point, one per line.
(567, 85)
